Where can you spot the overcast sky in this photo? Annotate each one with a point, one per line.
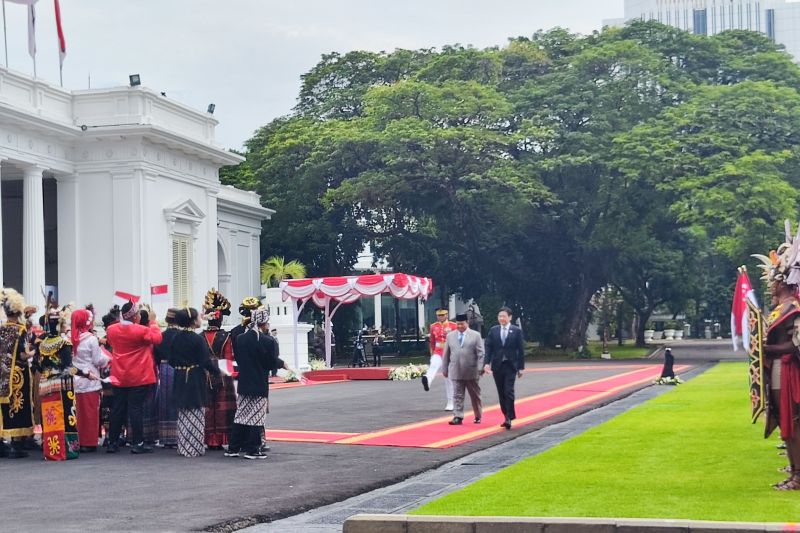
(247, 56)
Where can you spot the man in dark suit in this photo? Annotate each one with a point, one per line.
(505, 357)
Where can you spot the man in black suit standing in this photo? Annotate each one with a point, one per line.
(505, 356)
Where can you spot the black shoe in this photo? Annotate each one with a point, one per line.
(17, 452)
(231, 454)
(257, 455)
(506, 424)
(455, 421)
(112, 448)
(141, 448)
(3, 449)
(476, 421)
(425, 383)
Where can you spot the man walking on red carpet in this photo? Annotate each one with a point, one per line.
(463, 365)
(505, 356)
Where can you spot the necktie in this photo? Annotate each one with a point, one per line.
(503, 334)
(461, 339)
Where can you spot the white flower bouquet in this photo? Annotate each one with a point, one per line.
(407, 372)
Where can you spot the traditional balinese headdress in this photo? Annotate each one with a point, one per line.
(258, 318)
(782, 265)
(216, 305)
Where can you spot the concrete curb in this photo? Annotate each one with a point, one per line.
(379, 523)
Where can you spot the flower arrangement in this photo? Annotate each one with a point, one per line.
(291, 376)
(317, 364)
(407, 372)
(668, 381)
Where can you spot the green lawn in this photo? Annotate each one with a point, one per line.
(688, 454)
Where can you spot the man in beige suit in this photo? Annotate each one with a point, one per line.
(463, 364)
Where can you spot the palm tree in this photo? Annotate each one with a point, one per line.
(275, 269)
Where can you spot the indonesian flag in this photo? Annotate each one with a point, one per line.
(121, 298)
(740, 330)
(31, 24)
(159, 294)
(62, 43)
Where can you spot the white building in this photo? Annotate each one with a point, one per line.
(777, 19)
(118, 189)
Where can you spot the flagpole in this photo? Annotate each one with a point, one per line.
(5, 36)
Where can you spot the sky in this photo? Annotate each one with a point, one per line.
(247, 56)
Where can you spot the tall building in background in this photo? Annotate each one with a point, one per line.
(777, 19)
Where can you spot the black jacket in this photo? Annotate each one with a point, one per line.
(161, 351)
(191, 358)
(255, 357)
(514, 349)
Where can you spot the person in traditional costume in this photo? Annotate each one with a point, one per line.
(222, 398)
(255, 356)
(149, 408)
(107, 398)
(16, 387)
(165, 397)
(91, 361)
(438, 337)
(249, 304)
(191, 359)
(132, 374)
(782, 351)
(57, 390)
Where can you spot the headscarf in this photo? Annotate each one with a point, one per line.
(82, 322)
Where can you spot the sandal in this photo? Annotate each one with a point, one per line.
(793, 483)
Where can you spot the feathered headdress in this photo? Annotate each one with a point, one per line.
(13, 302)
(782, 265)
(216, 305)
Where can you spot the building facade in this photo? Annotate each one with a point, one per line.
(118, 189)
(777, 19)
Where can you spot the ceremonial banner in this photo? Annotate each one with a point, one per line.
(758, 397)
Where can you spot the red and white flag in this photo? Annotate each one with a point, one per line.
(740, 329)
(121, 298)
(159, 294)
(62, 43)
(31, 24)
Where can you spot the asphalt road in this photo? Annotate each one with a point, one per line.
(166, 492)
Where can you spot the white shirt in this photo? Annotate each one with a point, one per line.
(89, 358)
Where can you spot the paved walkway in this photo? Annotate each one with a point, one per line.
(417, 490)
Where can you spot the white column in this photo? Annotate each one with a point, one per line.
(2, 274)
(378, 317)
(422, 323)
(33, 236)
(69, 239)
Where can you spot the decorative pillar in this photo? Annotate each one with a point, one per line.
(33, 236)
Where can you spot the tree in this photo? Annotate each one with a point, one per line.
(276, 269)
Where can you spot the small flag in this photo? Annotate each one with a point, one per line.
(740, 330)
(121, 298)
(31, 24)
(159, 294)
(62, 43)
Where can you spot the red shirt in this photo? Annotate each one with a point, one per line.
(439, 333)
(132, 359)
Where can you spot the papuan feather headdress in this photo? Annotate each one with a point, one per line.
(783, 265)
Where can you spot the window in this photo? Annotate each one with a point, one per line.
(181, 270)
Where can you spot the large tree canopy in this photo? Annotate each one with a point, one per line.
(540, 172)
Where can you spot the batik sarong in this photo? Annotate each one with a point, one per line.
(59, 419)
(191, 432)
(165, 406)
(251, 410)
(220, 411)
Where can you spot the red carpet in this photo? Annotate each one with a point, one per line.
(437, 433)
(343, 373)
